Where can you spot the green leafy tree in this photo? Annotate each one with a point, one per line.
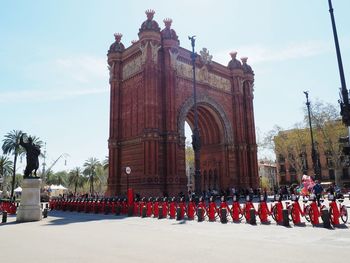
(18, 180)
(6, 168)
(189, 155)
(90, 166)
(11, 146)
(189, 159)
(57, 178)
(75, 178)
(264, 183)
(294, 145)
(105, 163)
(328, 129)
(100, 179)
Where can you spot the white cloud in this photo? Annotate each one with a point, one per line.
(47, 94)
(61, 78)
(262, 54)
(82, 68)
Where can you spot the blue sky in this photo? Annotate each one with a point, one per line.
(54, 78)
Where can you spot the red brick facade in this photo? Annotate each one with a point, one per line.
(152, 97)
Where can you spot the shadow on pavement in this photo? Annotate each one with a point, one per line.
(65, 218)
(181, 222)
(342, 226)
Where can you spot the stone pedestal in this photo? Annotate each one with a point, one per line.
(30, 209)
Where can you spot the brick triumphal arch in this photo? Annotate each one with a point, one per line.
(152, 97)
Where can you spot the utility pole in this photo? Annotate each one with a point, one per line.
(196, 139)
(344, 100)
(44, 165)
(313, 150)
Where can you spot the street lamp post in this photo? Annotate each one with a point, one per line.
(127, 172)
(196, 140)
(313, 150)
(344, 101)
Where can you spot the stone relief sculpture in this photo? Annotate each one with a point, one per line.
(111, 71)
(173, 58)
(143, 49)
(155, 48)
(205, 57)
(204, 76)
(132, 67)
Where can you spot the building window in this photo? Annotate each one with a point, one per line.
(291, 157)
(283, 179)
(345, 173)
(330, 163)
(293, 177)
(282, 168)
(331, 174)
(281, 158)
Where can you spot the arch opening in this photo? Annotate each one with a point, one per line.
(212, 153)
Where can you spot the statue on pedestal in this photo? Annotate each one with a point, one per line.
(32, 154)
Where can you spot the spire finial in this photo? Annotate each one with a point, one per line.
(244, 59)
(150, 13)
(118, 37)
(167, 22)
(233, 54)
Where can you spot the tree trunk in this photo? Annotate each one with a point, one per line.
(14, 175)
(92, 183)
(337, 175)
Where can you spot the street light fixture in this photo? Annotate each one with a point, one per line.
(127, 172)
(344, 100)
(313, 149)
(196, 140)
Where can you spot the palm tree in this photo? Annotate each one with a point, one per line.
(90, 166)
(60, 177)
(105, 163)
(75, 178)
(11, 145)
(100, 179)
(6, 167)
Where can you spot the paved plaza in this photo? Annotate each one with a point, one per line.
(78, 237)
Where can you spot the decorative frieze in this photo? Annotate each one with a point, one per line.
(203, 76)
(132, 67)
